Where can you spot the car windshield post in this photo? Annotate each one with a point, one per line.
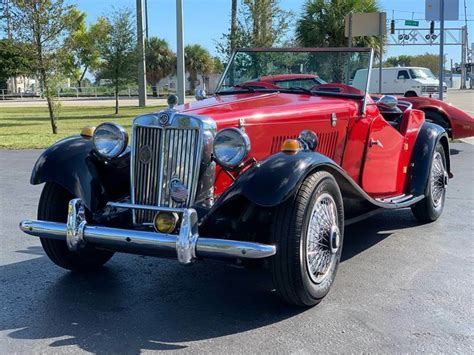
(333, 71)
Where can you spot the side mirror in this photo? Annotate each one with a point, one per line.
(200, 94)
(388, 102)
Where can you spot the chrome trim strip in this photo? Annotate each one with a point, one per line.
(132, 169)
(143, 207)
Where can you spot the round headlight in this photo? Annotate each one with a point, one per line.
(231, 147)
(110, 140)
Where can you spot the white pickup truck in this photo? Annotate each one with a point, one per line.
(403, 81)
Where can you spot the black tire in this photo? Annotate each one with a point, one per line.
(53, 206)
(428, 210)
(291, 275)
(410, 94)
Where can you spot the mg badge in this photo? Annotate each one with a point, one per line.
(179, 192)
(144, 154)
(164, 119)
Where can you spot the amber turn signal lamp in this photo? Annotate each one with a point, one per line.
(166, 222)
(290, 146)
(87, 131)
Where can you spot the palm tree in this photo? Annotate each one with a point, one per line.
(322, 23)
(160, 61)
(198, 61)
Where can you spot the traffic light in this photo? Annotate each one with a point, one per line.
(431, 27)
(392, 27)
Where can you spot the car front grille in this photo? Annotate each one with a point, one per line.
(159, 155)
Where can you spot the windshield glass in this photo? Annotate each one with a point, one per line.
(421, 73)
(328, 70)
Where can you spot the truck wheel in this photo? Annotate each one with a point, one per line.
(410, 94)
(53, 206)
(308, 233)
(430, 208)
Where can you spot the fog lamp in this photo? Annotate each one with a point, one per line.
(165, 222)
(290, 146)
(88, 131)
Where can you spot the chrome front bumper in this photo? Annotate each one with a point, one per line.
(187, 246)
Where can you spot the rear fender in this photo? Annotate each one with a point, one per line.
(72, 164)
(428, 137)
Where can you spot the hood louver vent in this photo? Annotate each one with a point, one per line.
(326, 146)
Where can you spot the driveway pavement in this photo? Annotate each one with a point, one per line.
(401, 288)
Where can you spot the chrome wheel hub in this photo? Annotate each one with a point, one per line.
(439, 179)
(323, 238)
(334, 239)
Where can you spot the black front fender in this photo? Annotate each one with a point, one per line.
(273, 181)
(72, 164)
(429, 136)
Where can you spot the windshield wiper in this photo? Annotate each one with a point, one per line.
(244, 87)
(240, 88)
(299, 89)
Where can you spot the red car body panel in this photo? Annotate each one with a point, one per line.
(462, 123)
(270, 118)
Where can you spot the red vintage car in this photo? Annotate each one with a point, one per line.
(458, 124)
(250, 174)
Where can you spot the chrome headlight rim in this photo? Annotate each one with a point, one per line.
(245, 140)
(121, 141)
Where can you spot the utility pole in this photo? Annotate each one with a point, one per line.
(180, 88)
(141, 61)
(146, 18)
(441, 50)
(463, 56)
(349, 40)
(382, 24)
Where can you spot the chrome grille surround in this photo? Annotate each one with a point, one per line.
(161, 152)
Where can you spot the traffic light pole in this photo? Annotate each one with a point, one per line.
(441, 50)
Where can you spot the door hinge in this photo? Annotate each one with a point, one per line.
(242, 124)
(333, 119)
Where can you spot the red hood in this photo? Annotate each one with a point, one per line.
(228, 109)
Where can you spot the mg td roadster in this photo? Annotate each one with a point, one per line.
(254, 175)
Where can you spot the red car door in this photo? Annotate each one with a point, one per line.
(382, 159)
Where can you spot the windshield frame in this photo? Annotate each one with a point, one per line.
(302, 49)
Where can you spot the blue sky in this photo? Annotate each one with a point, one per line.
(206, 20)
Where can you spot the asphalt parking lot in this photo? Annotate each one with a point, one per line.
(401, 287)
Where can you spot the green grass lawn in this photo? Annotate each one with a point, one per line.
(30, 127)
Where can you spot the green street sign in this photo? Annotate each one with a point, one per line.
(411, 23)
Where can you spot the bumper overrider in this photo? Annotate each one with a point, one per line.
(186, 246)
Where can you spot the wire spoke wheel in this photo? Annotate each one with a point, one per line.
(323, 238)
(438, 179)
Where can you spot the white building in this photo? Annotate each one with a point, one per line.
(22, 84)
